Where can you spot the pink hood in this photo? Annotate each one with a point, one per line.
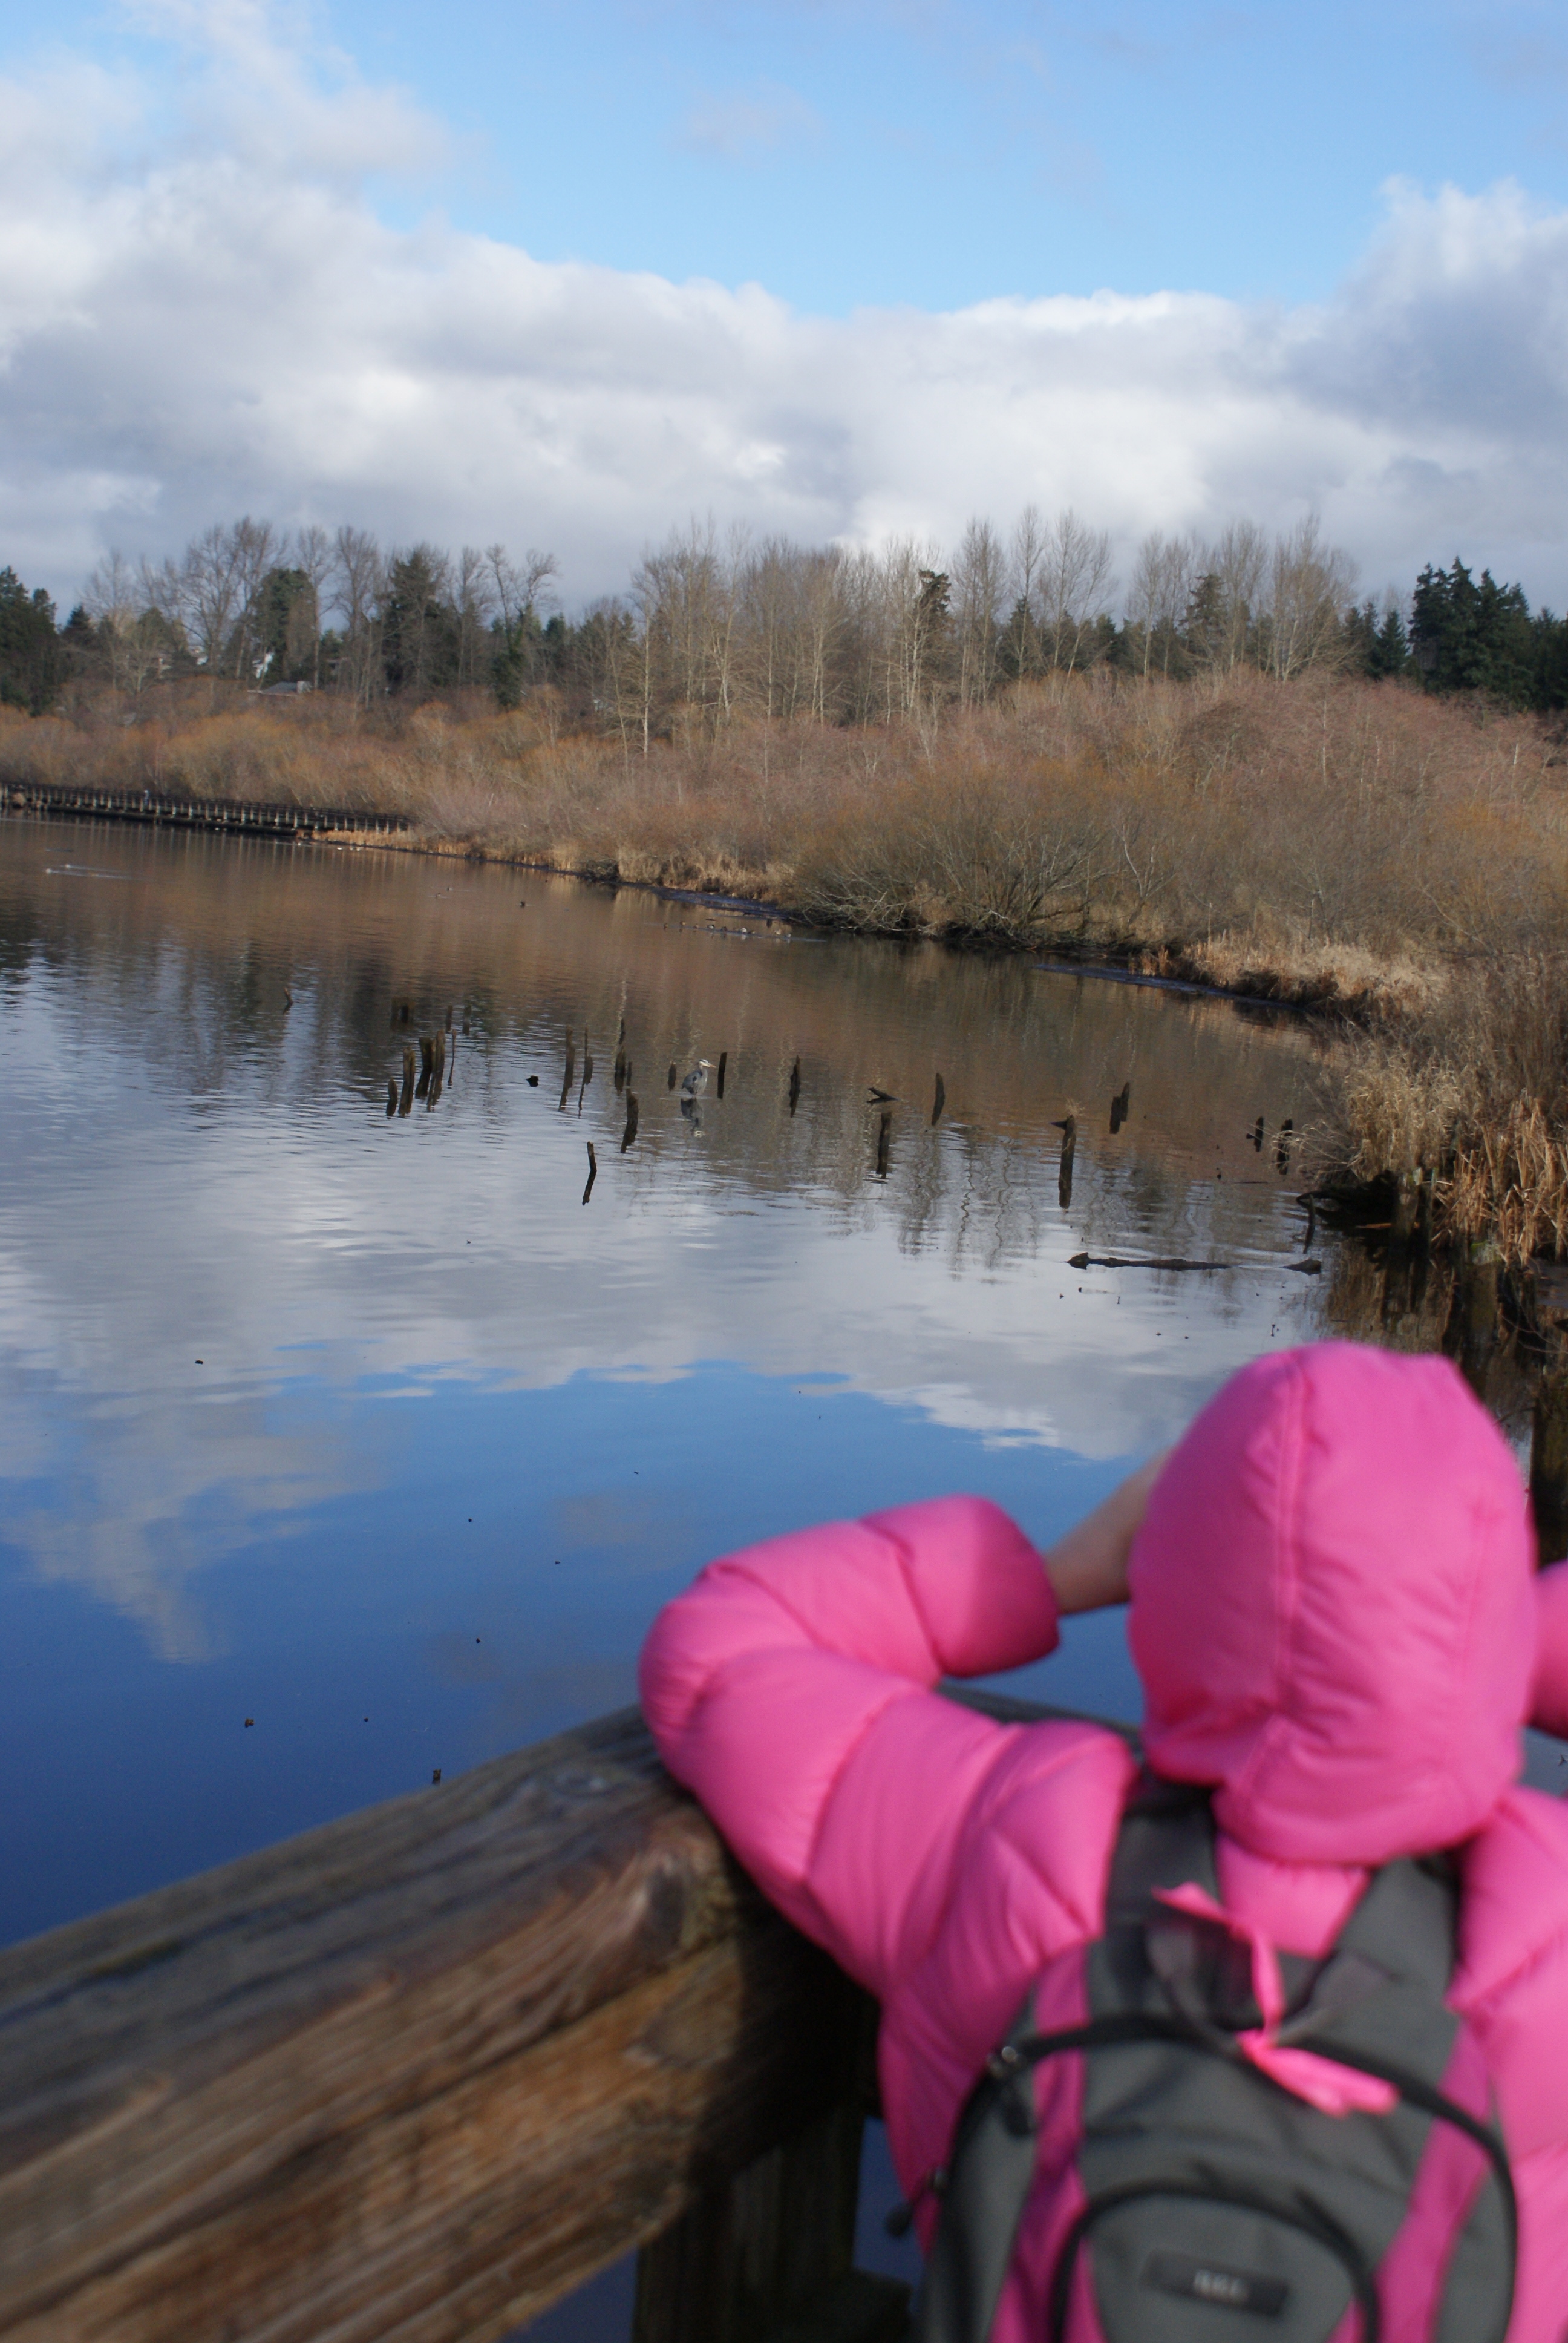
(1340, 1636)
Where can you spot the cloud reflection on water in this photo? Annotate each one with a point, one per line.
(196, 1178)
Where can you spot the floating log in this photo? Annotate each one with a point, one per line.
(723, 1061)
(939, 1099)
(884, 1141)
(629, 1133)
(794, 1085)
(669, 1078)
(1119, 1106)
(391, 1098)
(570, 1075)
(592, 1171)
(1152, 1260)
(405, 1102)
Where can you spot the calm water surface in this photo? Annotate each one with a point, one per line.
(375, 1430)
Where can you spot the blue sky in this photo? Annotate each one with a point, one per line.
(443, 271)
(935, 155)
(874, 152)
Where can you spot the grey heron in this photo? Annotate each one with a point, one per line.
(694, 1085)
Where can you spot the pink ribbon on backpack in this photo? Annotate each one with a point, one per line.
(1324, 2083)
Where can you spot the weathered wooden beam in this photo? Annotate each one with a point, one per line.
(412, 2076)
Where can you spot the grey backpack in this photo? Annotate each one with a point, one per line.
(1219, 2206)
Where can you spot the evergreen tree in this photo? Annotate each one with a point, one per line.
(1390, 649)
(1358, 638)
(1469, 637)
(31, 663)
(420, 630)
(1551, 635)
(79, 642)
(520, 655)
(286, 627)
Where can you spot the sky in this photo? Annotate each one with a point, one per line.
(567, 273)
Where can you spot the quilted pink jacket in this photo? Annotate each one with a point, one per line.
(1335, 1621)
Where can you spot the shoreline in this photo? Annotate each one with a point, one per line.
(372, 831)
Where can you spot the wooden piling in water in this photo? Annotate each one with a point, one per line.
(1069, 1128)
(1549, 1458)
(1470, 1335)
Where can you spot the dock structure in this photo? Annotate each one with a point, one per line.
(246, 817)
(421, 2072)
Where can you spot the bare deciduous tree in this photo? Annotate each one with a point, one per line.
(1307, 588)
(357, 575)
(314, 557)
(979, 589)
(1075, 586)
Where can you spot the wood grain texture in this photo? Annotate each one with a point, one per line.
(412, 2076)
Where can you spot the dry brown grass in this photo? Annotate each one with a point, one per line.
(1323, 840)
(1472, 1090)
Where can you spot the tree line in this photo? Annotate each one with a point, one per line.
(711, 627)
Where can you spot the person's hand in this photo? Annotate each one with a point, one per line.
(1088, 1567)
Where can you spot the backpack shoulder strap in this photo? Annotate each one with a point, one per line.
(1166, 1836)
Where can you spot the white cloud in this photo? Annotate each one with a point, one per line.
(206, 316)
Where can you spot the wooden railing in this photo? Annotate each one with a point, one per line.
(420, 2073)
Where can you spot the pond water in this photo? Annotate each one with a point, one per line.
(340, 1444)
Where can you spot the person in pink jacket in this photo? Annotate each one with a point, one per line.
(1337, 1621)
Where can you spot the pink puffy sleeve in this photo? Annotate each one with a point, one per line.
(1549, 1711)
(791, 1689)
